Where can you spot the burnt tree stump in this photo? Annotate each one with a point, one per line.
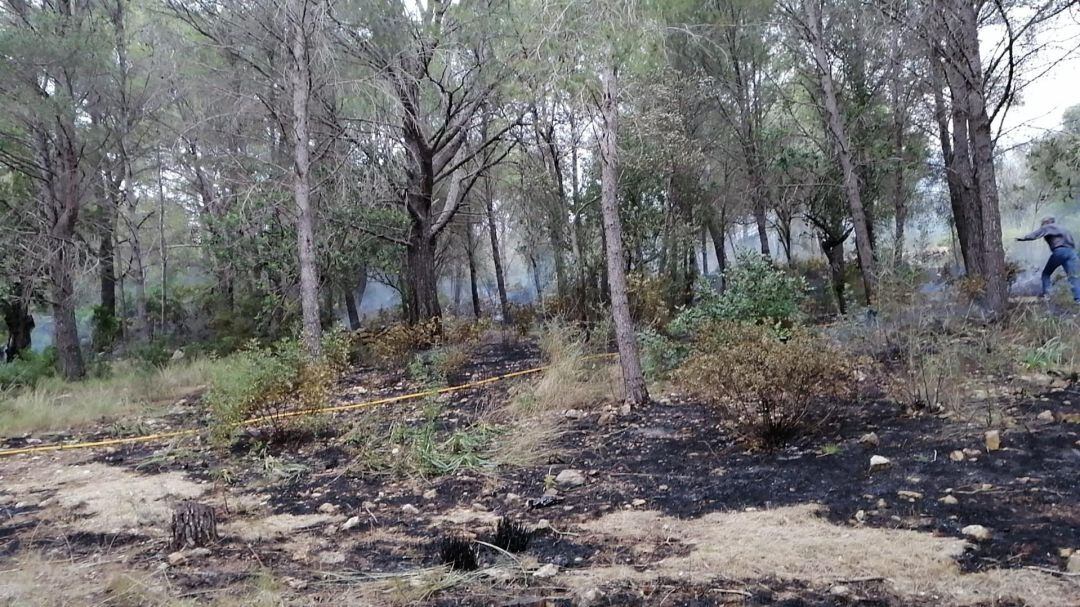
(193, 525)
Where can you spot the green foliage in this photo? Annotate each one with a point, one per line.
(28, 368)
(154, 353)
(265, 382)
(1045, 357)
(772, 388)
(106, 328)
(757, 292)
(660, 355)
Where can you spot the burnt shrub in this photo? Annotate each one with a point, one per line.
(773, 386)
(511, 536)
(459, 553)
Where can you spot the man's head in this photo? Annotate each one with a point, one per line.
(1047, 221)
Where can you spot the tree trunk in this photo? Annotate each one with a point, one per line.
(422, 295)
(952, 176)
(899, 201)
(843, 151)
(107, 257)
(350, 309)
(991, 250)
(19, 323)
(633, 379)
(704, 253)
(300, 85)
(716, 231)
(834, 252)
(470, 253)
(496, 255)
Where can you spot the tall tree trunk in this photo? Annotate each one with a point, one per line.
(704, 253)
(716, 232)
(350, 309)
(300, 85)
(421, 288)
(899, 200)
(834, 252)
(107, 255)
(991, 250)
(952, 173)
(496, 255)
(842, 149)
(470, 253)
(633, 379)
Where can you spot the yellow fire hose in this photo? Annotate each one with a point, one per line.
(131, 440)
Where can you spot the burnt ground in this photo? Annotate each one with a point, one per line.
(671, 456)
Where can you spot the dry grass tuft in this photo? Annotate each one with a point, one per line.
(795, 543)
(55, 404)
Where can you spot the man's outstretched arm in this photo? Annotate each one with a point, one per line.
(1037, 234)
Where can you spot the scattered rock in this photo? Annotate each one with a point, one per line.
(879, 462)
(662, 488)
(181, 557)
(590, 597)
(993, 440)
(574, 414)
(511, 498)
(637, 503)
(860, 516)
(840, 590)
(605, 418)
(351, 523)
(977, 532)
(624, 409)
(957, 456)
(949, 500)
(430, 494)
(546, 572)
(331, 558)
(1046, 416)
(570, 478)
(410, 510)
(295, 584)
(1073, 564)
(909, 495)
(870, 439)
(177, 355)
(882, 504)
(328, 508)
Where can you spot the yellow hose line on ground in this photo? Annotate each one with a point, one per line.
(131, 440)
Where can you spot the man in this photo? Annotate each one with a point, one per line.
(1062, 254)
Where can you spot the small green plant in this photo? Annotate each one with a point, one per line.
(831, 449)
(1045, 357)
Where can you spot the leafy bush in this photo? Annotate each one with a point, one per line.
(105, 328)
(28, 368)
(757, 292)
(152, 354)
(265, 382)
(772, 389)
(660, 355)
(648, 305)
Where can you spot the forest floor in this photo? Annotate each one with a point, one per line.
(662, 506)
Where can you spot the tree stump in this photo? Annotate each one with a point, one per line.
(193, 525)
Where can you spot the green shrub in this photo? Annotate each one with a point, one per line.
(265, 382)
(105, 327)
(660, 355)
(771, 388)
(152, 354)
(439, 365)
(28, 368)
(757, 292)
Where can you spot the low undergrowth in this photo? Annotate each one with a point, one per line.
(264, 382)
(128, 389)
(772, 387)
